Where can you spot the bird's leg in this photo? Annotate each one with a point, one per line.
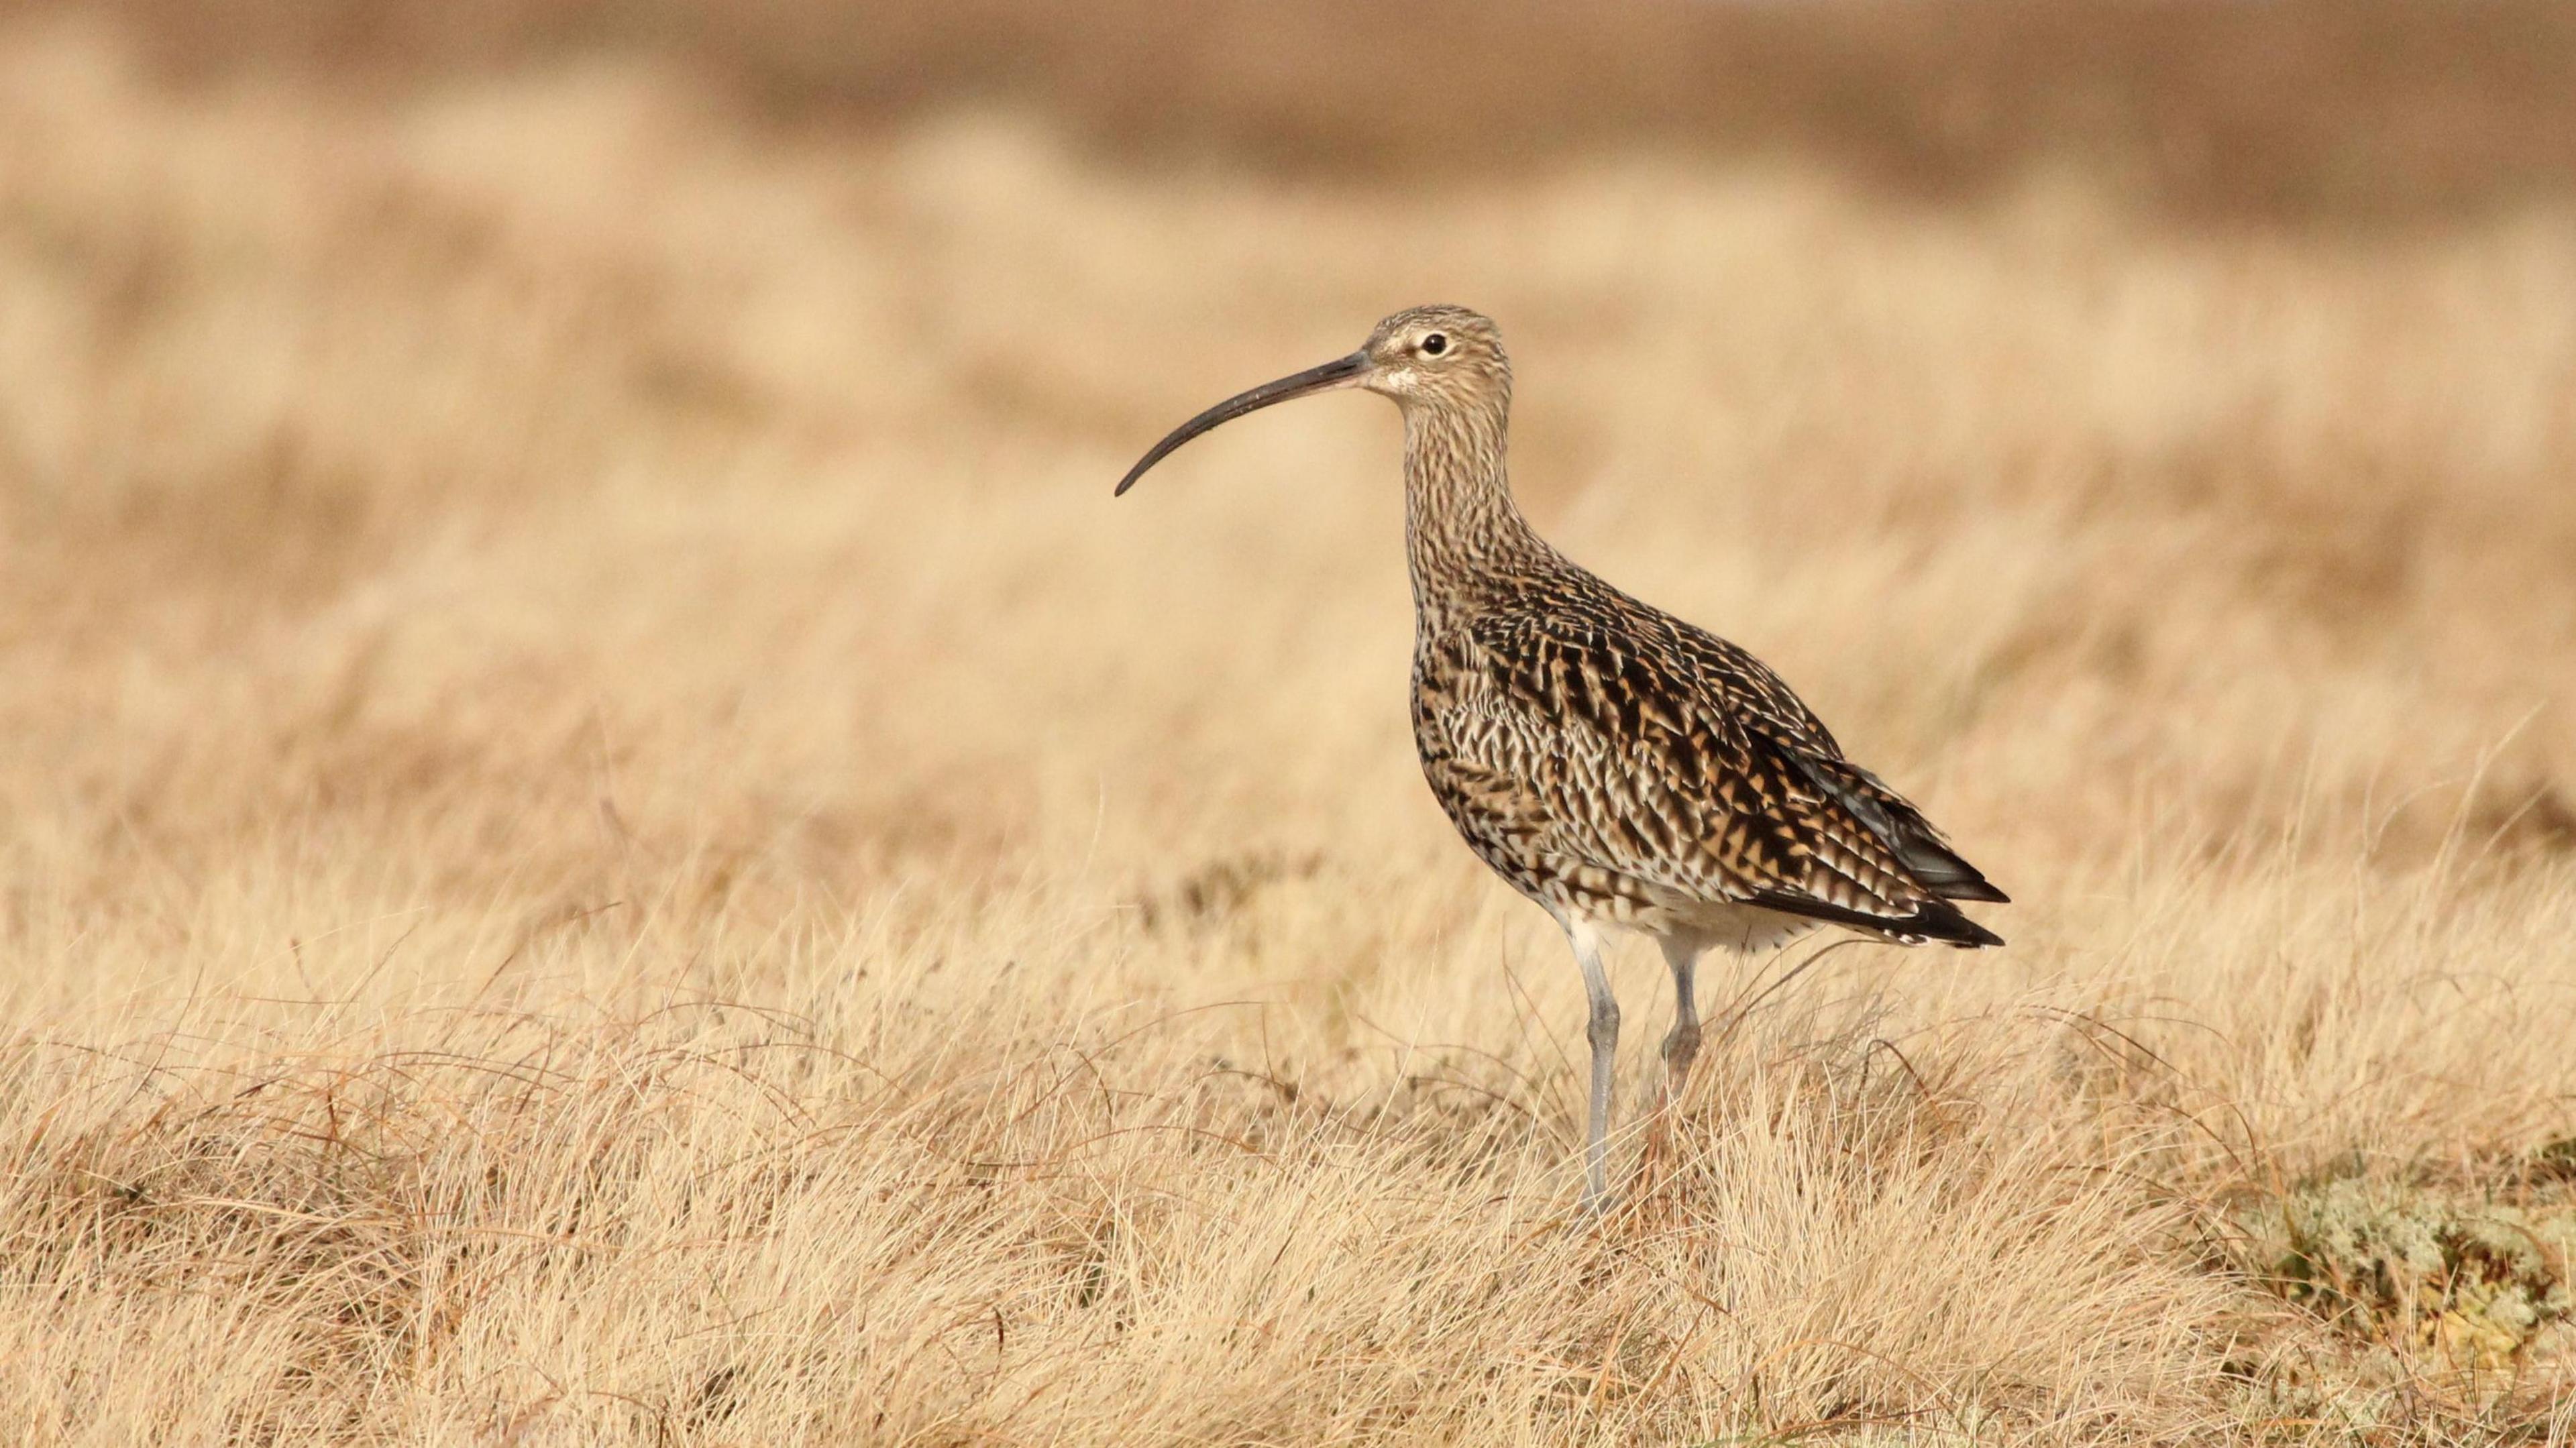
(1603, 1032)
(1681, 1046)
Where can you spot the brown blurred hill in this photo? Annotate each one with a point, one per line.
(2338, 110)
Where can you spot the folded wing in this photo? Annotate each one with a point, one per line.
(1715, 782)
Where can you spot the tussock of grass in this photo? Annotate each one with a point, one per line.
(1051, 1236)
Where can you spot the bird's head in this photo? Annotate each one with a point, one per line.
(1434, 357)
(1437, 356)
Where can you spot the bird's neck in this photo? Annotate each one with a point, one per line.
(1460, 525)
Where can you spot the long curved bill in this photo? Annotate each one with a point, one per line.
(1340, 372)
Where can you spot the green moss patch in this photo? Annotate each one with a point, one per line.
(2483, 1284)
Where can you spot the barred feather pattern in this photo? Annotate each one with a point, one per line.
(1614, 763)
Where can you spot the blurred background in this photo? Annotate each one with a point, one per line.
(2298, 113)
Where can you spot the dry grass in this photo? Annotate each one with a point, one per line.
(609, 839)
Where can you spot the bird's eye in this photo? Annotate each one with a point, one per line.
(1434, 345)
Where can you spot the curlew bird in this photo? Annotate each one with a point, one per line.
(1611, 762)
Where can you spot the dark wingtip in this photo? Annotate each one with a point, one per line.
(1972, 936)
(1940, 868)
(1942, 921)
(1933, 920)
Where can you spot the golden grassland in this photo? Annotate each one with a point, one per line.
(609, 838)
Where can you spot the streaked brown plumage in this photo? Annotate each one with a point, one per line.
(1613, 763)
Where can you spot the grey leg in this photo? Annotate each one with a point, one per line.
(1604, 1036)
(1681, 1047)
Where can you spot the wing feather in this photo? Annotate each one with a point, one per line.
(1665, 755)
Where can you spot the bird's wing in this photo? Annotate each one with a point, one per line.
(1926, 854)
(1651, 769)
(1743, 685)
(1747, 688)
